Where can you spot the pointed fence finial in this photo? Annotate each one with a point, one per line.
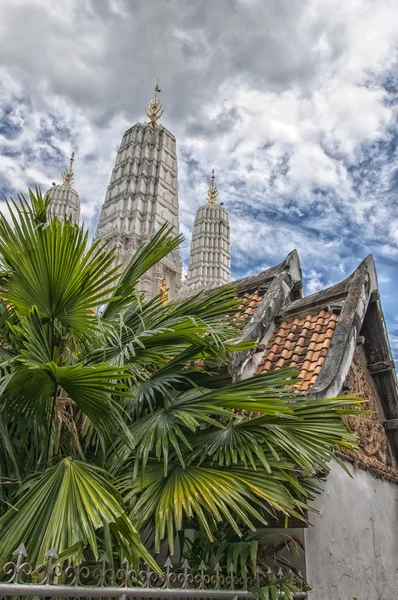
(104, 558)
(186, 567)
(67, 175)
(154, 110)
(20, 551)
(212, 193)
(52, 553)
(168, 564)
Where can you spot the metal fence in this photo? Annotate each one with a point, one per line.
(101, 580)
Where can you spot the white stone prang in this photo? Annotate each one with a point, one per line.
(141, 197)
(65, 203)
(210, 257)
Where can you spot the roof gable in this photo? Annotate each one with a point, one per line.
(319, 335)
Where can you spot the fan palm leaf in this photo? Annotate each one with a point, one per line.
(91, 368)
(209, 493)
(63, 508)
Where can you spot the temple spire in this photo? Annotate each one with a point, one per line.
(154, 110)
(67, 175)
(65, 202)
(142, 196)
(212, 193)
(210, 257)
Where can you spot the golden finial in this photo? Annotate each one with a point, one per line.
(67, 175)
(154, 110)
(164, 291)
(212, 193)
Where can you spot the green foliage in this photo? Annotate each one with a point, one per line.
(117, 413)
(63, 507)
(275, 588)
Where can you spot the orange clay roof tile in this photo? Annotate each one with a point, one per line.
(249, 303)
(302, 343)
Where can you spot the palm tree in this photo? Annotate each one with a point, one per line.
(118, 414)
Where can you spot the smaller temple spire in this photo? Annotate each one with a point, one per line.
(65, 202)
(67, 175)
(210, 257)
(154, 110)
(212, 193)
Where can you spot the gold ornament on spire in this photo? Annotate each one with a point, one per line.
(212, 193)
(67, 175)
(164, 291)
(154, 110)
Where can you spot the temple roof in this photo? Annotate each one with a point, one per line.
(318, 334)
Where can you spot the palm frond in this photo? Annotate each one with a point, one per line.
(65, 507)
(161, 244)
(48, 267)
(209, 493)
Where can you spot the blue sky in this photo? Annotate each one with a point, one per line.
(293, 104)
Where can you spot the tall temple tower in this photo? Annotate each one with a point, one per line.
(210, 257)
(65, 202)
(142, 196)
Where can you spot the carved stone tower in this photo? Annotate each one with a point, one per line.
(65, 201)
(210, 257)
(142, 196)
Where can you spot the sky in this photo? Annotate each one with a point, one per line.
(294, 104)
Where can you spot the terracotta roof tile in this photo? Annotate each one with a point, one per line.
(249, 303)
(302, 343)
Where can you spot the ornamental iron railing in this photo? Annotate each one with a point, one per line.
(102, 580)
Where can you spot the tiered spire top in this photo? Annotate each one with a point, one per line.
(67, 175)
(212, 193)
(154, 110)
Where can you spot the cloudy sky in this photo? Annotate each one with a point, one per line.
(293, 103)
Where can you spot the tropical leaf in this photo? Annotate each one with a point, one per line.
(304, 436)
(49, 267)
(210, 494)
(90, 368)
(64, 508)
(161, 244)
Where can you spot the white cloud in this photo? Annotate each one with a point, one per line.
(283, 101)
(314, 283)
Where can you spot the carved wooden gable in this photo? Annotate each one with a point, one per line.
(374, 450)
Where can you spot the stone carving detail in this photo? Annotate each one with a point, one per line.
(369, 429)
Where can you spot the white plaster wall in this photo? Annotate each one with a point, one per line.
(352, 550)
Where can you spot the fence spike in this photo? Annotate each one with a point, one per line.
(280, 572)
(168, 564)
(232, 577)
(218, 570)
(202, 566)
(52, 553)
(125, 561)
(104, 558)
(202, 569)
(185, 564)
(20, 551)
